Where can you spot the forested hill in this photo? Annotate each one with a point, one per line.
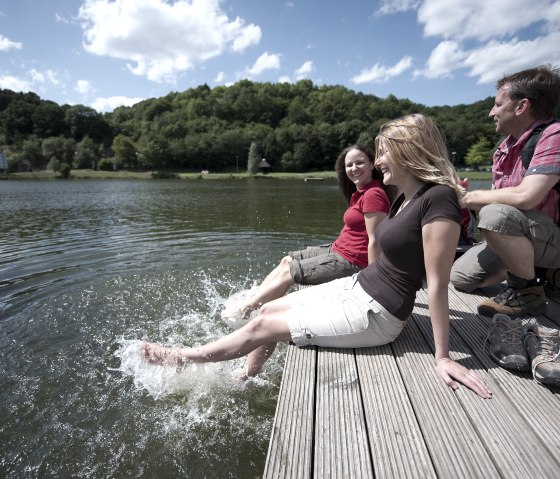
(296, 127)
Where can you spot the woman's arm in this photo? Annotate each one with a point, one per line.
(373, 220)
(439, 239)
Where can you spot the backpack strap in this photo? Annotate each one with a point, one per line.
(529, 149)
(530, 145)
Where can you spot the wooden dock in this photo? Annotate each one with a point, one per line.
(384, 412)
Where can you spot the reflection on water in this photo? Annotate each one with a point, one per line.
(89, 268)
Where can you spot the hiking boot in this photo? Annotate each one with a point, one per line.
(505, 343)
(515, 302)
(543, 347)
(552, 282)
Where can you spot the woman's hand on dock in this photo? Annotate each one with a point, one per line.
(453, 372)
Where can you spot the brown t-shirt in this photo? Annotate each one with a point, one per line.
(397, 275)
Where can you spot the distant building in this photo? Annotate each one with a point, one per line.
(264, 166)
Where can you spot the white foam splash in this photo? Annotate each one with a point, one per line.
(198, 379)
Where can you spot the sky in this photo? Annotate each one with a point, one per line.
(108, 53)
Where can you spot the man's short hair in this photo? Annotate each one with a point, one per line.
(540, 85)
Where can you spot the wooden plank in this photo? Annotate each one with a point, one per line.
(385, 412)
(505, 426)
(341, 442)
(397, 445)
(453, 443)
(290, 451)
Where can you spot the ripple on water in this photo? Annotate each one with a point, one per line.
(82, 403)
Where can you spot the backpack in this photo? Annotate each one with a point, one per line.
(529, 147)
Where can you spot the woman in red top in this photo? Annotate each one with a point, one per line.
(353, 250)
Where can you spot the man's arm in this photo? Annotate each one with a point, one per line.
(525, 196)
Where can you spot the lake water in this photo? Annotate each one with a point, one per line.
(89, 268)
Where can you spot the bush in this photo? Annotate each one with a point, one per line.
(105, 164)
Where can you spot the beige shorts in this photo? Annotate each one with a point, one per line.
(340, 314)
(480, 262)
(319, 264)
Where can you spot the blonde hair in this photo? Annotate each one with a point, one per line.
(416, 144)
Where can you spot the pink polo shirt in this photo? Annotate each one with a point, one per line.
(508, 170)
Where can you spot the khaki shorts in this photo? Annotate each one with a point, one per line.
(319, 264)
(480, 262)
(340, 314)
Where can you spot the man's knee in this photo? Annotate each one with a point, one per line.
(467, 272)
(502, 219)
(462, 281)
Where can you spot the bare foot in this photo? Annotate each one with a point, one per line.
(154, 353)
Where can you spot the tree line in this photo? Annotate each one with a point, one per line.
(296, 127)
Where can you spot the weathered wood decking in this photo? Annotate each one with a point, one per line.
(384, 412)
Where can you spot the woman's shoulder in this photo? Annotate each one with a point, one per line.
(372, 185)
(441, 191)
(441, 198)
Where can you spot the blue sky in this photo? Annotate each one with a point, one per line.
(106, 53)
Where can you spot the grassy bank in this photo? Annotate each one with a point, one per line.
(148, 175)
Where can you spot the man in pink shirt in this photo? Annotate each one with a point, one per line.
(519, 216)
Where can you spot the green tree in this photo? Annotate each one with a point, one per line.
(59, 148)
(60, 169)
(479, 153)
(254, 159)
(125, 151)
(154, 153)
(87, 154)
(85, 121)
(32, 152)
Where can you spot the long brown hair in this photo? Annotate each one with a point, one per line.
(344, 183)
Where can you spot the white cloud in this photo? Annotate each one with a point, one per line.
(219, 77)
(34, 81)
(480, 19)
(250, 35)
(6, 44)
(60, 19)
(382, 74)
(388, 7)
(491, 61)
(36, 76)
(13, 83)
(445, 58)
(284, 79)
(52, 77)
(304, 70)
(266, 61)
(480, 36)
(110, 103)
(163, 39)
(83, 86)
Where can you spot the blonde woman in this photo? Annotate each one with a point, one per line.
(370, 308)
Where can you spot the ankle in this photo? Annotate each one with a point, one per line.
(521, 283)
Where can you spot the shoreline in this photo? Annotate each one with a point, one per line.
(151, 175)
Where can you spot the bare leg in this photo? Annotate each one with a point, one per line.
(257, 358)
(275, 285)
(269, 327)
(516, 252)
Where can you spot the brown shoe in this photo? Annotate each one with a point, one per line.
(543, 347)
(505, 343)
(515, 302)
(552, 282)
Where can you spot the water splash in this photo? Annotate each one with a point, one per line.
(194, 379)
